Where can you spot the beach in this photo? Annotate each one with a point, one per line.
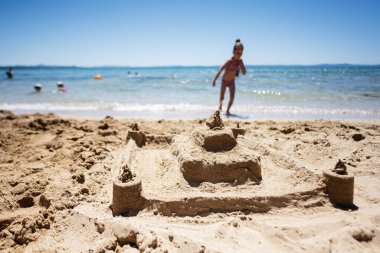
(56, 188)
(189, 126)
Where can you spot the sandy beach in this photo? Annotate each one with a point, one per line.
(56, 189)
(189, 126)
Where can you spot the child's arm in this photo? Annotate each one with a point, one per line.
(217, 74)
(242, 67)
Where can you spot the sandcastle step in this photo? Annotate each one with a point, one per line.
(191, 206)
(196, 165)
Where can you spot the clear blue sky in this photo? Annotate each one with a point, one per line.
(200, 32)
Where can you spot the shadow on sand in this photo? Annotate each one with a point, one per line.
(235, 116)
(350, 208)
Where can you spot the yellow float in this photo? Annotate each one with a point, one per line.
(97, 77)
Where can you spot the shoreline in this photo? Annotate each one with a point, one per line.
(160, 118)
(193, 115)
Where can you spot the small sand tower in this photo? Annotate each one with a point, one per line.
(212, 153)
(340, 185)
(126, 190)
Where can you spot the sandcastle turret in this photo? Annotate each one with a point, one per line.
(212, 153)
(136, 134)
(126, 187)
(215, 121)
(340, 184)
(213, 136)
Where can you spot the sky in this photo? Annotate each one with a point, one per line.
(199, 32)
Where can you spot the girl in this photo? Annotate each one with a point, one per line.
(231, 69)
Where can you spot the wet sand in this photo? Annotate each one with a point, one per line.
(56, 189)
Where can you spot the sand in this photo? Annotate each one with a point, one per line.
(56, 179)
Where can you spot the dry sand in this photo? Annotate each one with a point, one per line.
(56, 187)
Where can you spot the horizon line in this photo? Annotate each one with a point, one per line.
(183, 66)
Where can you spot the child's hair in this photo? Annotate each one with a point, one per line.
(237, 44)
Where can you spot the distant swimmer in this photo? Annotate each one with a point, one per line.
(61, 87)
(38, 87)
(98, 77)
(10, 73)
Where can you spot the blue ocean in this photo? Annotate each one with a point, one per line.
(265, 92)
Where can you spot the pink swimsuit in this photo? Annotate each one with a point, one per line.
(231, 67)
(228, 83)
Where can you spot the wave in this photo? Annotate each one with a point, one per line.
(183, 107)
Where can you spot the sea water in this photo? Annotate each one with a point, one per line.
(265, 92)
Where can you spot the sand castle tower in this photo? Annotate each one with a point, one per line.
(212, 153)
(340, 185)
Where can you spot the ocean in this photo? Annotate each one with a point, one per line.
(265, 92)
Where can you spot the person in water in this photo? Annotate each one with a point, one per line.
(38, 87)
(10, 73)
(61, 87)
(231, 70)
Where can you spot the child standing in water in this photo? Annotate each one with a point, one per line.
(231, 70)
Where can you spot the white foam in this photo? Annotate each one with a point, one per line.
(183, 107)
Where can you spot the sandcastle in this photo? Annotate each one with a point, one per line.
(215, 168)
(212, 154)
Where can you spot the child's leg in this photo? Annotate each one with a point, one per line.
(232, 97)
(222, 92)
